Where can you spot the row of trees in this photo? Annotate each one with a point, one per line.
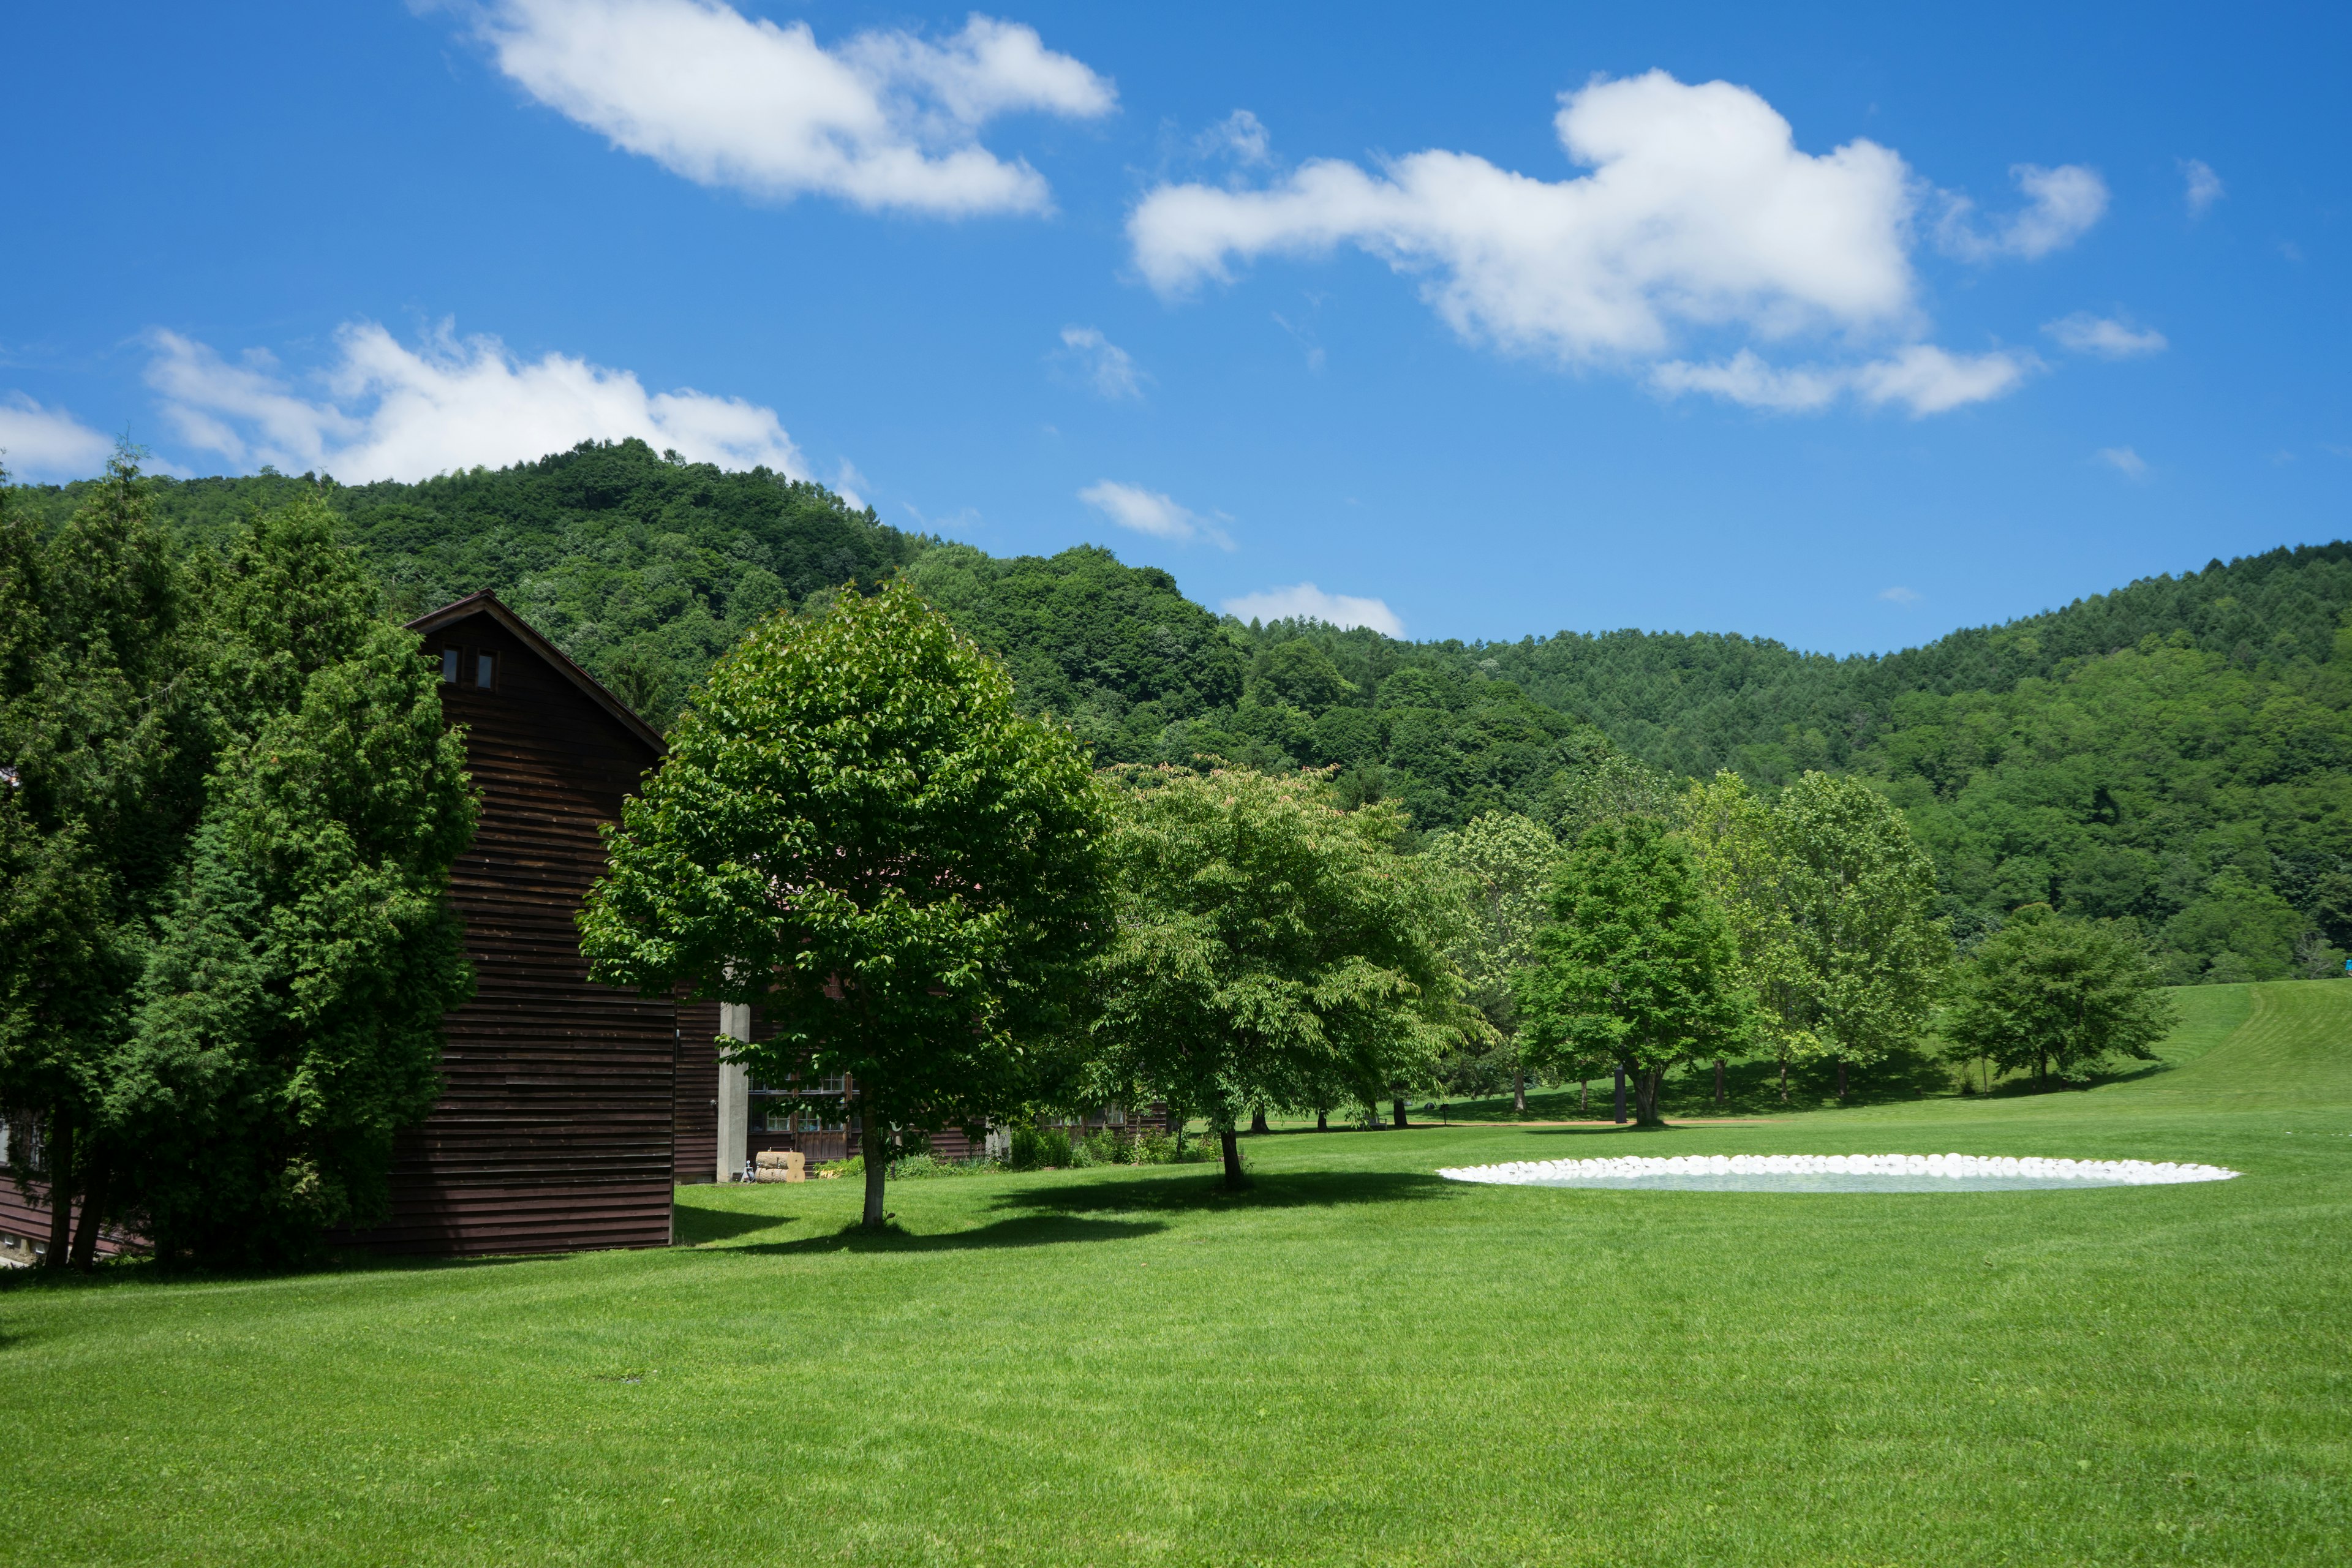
(930, 890)
(228, 808)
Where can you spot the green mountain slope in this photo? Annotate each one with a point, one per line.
(2178, 752)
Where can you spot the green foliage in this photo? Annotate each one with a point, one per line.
(2052, 993)
(1868, 953)
(1272, 949)
(228, 854)
(856, 828)
(2112, 758)
(1506, 864)
(289, 1020)
(1638, 965)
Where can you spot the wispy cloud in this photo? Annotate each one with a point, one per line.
(2061, 205)
(47, 443)
(383, 410)
(1922, 379)
(886, 119)
(2109, 337)
(1899, 595)
(1240, 136)
(1305, 601)
(2125, 461)
(2201, 186)
(1152, 512)
(1101, 365)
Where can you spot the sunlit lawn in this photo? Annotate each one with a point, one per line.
(1355, 1362)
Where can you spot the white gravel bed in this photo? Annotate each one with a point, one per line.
(1837, 1172)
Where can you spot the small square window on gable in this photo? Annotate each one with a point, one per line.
(486, 670)
(448, 667)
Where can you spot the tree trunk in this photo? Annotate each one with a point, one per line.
(1322, 1121)
(93, 1214)
(877, 1167)
(1234, 1182)
(60, 1163)
(1257, 1121)
(1399, 1104)
(1621, 1094)
(1840, 1078)
(1784, 1081)
(1645, 1097)
(1520, 1092)
(1719, 1081)
(1585, 1098)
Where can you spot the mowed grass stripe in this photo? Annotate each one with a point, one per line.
(1356, 1362)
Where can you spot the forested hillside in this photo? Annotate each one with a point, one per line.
(2177, 751)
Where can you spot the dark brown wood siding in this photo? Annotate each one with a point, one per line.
(694, 1117)
(555, 1127)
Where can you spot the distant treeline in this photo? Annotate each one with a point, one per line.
(2176, 754)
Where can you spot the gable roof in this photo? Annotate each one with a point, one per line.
(485, 603)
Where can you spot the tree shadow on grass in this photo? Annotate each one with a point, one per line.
(1206, 1193)
(691, 1226)
(1024, 1230)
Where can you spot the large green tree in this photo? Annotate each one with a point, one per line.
(1506, 863)
(2053, 994)
(1868, 955)
(1737, 853)
(1638, 965)
(290, 1016)
(1272, 949)
(104, 748)
(856, 828)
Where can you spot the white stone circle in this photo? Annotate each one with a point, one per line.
(1836, 1173)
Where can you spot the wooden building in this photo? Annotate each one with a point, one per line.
(561, 1100)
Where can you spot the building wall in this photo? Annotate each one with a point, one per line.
(555, 1128)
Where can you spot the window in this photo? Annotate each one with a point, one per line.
(486, 670)
(448, 667)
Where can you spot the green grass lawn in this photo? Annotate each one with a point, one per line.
(1356, 1362)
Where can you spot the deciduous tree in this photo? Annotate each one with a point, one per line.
(1506, 863)
(1638, 965)
(2055, 994)
(1272, 949)
(856, 828)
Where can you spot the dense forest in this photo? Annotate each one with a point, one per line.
(2176, 754)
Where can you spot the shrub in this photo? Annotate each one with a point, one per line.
(1028, 1150)
(1054, 1146)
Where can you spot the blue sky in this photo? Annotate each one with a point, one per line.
(1838, 325)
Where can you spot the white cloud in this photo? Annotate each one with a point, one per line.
(1102, 364)
(1305, 601)
(1699, 209)
(2061, 205)
(1700, 215)
(887, 120)
(1151, 512)
(48, 442)
(1922, 378)
(2106, 336)
(2125, 461)
(2201, 186)
(387, 411)
(1899, 595)
(1240, 136)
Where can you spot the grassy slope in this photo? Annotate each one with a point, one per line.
(1357, 1363)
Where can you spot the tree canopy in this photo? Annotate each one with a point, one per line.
(1273, 950)
(1637, 966)
(2057, 994)
(855, 830)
